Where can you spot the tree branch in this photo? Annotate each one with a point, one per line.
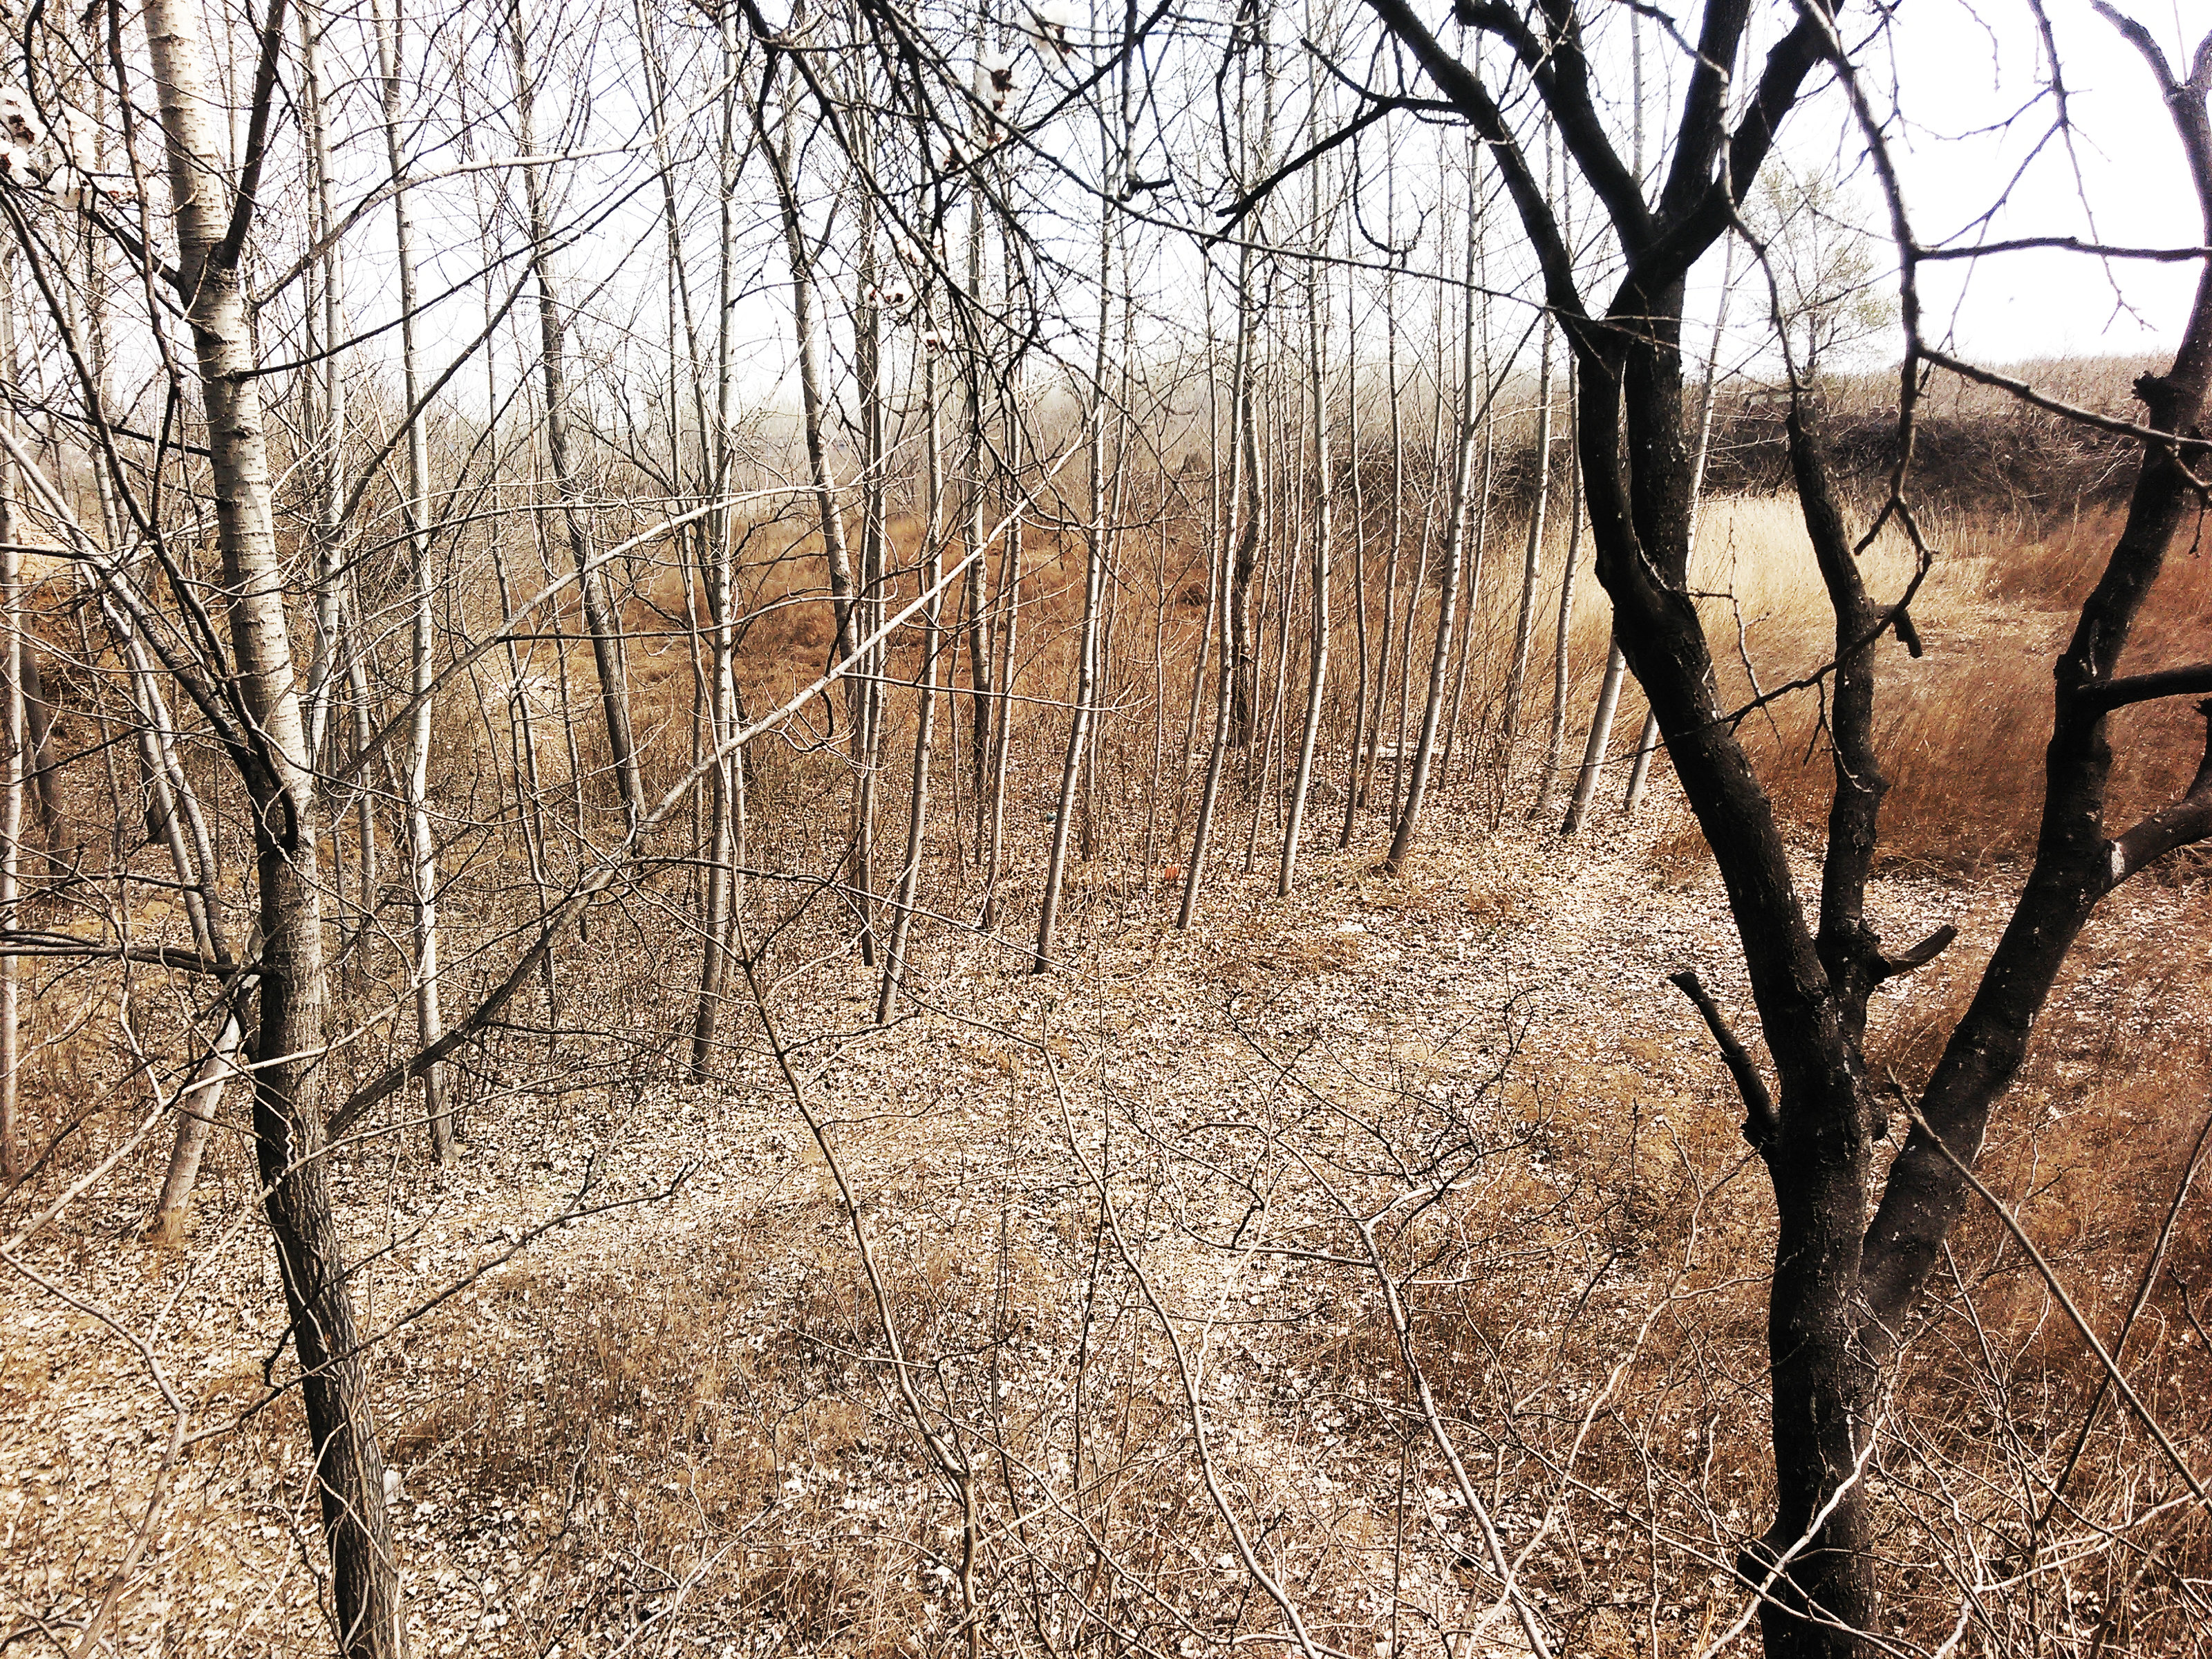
(1762, 1123)
(1561, 72)
(2186, 821)
(2132, 689)
(1919, 956)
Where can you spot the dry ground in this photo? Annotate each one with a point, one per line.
(669, 1425)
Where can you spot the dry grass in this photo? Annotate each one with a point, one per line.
(708, 1426)
(1962, 729)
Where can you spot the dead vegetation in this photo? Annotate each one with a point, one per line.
(678, 1424)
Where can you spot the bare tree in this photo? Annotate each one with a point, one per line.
(600, 622)
(1851, 1259)
(215, 215)
(422, 668)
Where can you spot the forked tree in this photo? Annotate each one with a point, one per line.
(1853, 1254)
(266, 739)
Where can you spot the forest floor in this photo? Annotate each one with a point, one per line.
(664, 1423)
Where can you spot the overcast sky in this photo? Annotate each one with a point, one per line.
(1964, 74)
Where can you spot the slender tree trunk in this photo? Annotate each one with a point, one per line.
(1556, 736)
(1352, 775)
(528, 784)
(924, 713)
(1213, 539)
(994, 806)
(867, 685)
(1391, 560)
(1243, 521)
(1243, 623)
(599, 619)
(1094, 578)
(1532, 565)
(1471, 638)
(1317, 657)
(1471, 613)
(1601, 733)
(415, 772)
(1434, 468)
(197, 1105)
(977, 369)
(175, 806)
(1279, 568)
(45, 773)
(17, 736)
(1417, 782)
(717, 548)
(287, 1118)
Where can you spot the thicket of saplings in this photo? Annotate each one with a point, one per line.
(1013, 1429)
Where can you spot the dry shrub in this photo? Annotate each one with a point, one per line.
(702, 1418)
(2087, 1150)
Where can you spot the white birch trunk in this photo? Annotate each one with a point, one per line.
(414, 769)
(210, 229)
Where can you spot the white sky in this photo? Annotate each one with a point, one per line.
(1964, 76)
(1966, 116)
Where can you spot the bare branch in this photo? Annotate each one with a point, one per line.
(1763, 1123)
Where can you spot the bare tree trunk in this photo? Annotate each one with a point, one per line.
(725, 782)
(1601, 733)
(1555, 738)
(1470, 606)
(1352, 775)
(197, 1104)
(1278, 568)
(528, 783)
(917, 817)
(1417, 782)
(45, 773)
(414, 769)
(369, 872)
(977, 366)
(1532, 564)
(1434, 468)
(210, 230)
(1648, 742)
(1094, 577)
(17, 736)
(325, 392)
(1243, 520)
(994, 806)
(1317, 659)
(822, 476)
(1213, 538)
(867, 685)
(1243, 623)
(1391, 560)
(599, 619)
(1616, 664)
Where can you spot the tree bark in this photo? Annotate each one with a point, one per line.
(211, 228)
(599, 619)
(414, 769)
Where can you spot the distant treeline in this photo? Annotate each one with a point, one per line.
(1975, 448)
(2011, 458)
